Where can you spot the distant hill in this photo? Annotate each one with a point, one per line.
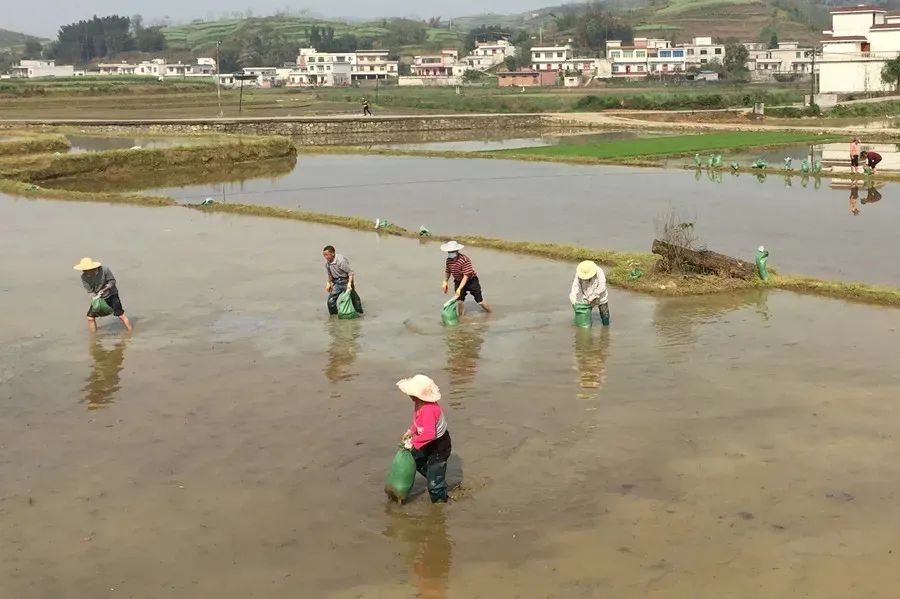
(747, 20)
(202, 35)
(11, 39)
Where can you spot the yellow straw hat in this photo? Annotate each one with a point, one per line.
(422, 387)
(587, 270)
(87, 264)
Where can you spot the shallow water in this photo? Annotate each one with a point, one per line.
(492, 143)
(834, 156)
(808, 230)
(94, 143)
(235, 445)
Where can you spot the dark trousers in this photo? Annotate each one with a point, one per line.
(366, 111)
(604, 313)
(339, 288)
(431, 462)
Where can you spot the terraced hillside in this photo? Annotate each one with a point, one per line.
(199, 36)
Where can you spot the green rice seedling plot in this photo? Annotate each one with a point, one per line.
(667, 146)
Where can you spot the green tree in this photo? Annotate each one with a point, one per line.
(736, 55)
(510, 63)
(773, 40)
(33, 48)
(596, 24)
(150, 39)
(890, 73)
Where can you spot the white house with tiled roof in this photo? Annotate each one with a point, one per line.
(861, 40)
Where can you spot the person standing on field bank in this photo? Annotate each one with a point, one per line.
(365, 106)
(340, 279)
(98, 280)
(428, 435)
(872, 159)
(589, 287)
(465, 279)
(854, 155)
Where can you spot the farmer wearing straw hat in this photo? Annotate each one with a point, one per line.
(589, 287)
(428, 436)
(465, 279)
(99, 281)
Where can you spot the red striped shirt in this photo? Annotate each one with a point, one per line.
(460, 267)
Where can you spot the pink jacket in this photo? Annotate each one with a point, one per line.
(428, 424)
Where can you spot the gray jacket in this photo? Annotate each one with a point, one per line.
(100, 278)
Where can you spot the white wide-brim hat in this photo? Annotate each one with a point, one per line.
(87, 264)
(452, 246)
(421, 387)
(587, 270)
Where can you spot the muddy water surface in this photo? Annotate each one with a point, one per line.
(95, 143)
(236, 444)
(494, 143)
(808, 230)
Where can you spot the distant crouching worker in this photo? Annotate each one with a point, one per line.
(98, 280)
(872, 159)
(340, 279)
(589, 287)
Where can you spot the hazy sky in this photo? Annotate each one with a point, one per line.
(43, 17)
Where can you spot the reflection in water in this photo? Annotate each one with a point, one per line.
(854, 199)
(429, 549)
(591, 351)
(463, 350)
(102, 384)
(342, 350)
(675, 319)
(872, 195)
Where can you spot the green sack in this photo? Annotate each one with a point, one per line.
(401, 476)
(99, 307)
(449, 315)
(583, 315)
(345, 307)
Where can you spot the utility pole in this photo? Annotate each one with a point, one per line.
(812, 76)
(218, 80)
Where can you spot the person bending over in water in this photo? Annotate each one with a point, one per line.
(428, 434)
(589, 287)
(465, 279)
(98, 280)
(872, 159)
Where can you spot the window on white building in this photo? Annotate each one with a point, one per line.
(640, 68)
(718, 50)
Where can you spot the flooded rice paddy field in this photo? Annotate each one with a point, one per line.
(488, 143)
(102, 143)
(236, 444)
(810, 231)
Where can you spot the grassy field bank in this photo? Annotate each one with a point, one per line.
(675, 145)
(29, 142)
(157, 163)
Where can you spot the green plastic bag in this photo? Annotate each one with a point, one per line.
(583, 315)
(99, 307)
(401, 475)
(449, 315)
(762, 256)
(346, 311)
